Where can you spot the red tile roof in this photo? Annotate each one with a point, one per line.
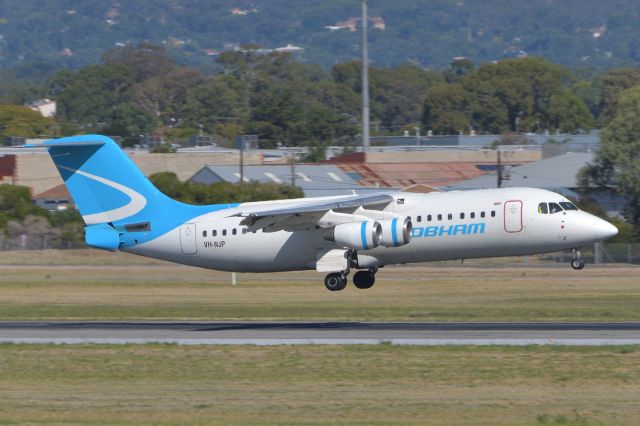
(56, 193)
(399, 175)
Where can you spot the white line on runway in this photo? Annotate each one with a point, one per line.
(274, 342)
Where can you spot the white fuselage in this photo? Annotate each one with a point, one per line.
(446, 225)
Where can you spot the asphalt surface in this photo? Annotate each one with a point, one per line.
(277, 333)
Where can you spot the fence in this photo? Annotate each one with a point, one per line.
(599, 253)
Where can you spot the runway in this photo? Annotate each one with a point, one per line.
(320, 333)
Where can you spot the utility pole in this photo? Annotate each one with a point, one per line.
(293, 168)
(365, 79)
(499, 168)
(241, 141)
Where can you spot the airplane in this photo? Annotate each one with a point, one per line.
(122, 210)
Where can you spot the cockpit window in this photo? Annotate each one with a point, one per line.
(554, 208)
(542, 208)
(568, 206)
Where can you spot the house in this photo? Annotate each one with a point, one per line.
(54, 199)
(46, 107)
(289, 48)
(557, 174)
(314, 179)
(378, 23)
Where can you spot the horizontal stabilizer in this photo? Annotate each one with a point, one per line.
(73, 141)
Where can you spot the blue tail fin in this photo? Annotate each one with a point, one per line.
(113, 196)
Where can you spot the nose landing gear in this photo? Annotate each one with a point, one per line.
(576, 263)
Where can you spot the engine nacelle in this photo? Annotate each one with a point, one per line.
(395, 232)
(356, 235)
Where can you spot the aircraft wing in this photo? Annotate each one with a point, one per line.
(306, 213)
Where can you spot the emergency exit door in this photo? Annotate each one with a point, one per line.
(513, 216)
(188, 238)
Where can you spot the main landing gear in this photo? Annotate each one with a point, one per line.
(337, 281)
(576, 263)
(364, 279)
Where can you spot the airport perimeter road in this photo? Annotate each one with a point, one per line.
(333, 333)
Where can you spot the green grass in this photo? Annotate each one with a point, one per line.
(385, 385)
(85, 289)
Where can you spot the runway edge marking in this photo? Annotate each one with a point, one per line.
(276, 342)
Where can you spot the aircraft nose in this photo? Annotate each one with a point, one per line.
(604, 229)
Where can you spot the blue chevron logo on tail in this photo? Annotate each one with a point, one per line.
(111, 193)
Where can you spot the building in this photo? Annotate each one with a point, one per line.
(551, 144)
(289, 48)
(54, 199)
(46, 107)
(7, 168)
(315, 180)
(558, 174)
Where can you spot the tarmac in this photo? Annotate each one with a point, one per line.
(320, 333)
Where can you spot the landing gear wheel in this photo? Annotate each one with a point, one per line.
(577, 264)
(335, 282)
(364, 279)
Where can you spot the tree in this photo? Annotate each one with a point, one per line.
(513, 95)
(447, 109)
(216, 102)
(568, 112)
(16, 120)
(129, 121)
(221, 192)
(458, 69)
(617, 161)
(613, 83)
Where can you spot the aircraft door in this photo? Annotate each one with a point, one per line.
(513, 216)
(188, 238)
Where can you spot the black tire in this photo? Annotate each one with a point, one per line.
(364, 279)
(577, 264)
(335, 281)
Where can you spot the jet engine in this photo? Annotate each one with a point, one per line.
(395, 232)
(356, 235)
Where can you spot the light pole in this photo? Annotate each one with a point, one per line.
(365, 80)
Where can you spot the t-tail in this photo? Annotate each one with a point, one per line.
(118, 204)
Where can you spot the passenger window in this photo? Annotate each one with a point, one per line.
(554, 208)
(233, 231)
(214, 233)
(449, 216)
(224, 232)
(428, 218)
(493, 213)
(568, 206)
(204, 233)
(419, 219)
(482, 215)
(439, 217)
(472, 215)
(244, 230)
(461, 215)
(542, 208)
